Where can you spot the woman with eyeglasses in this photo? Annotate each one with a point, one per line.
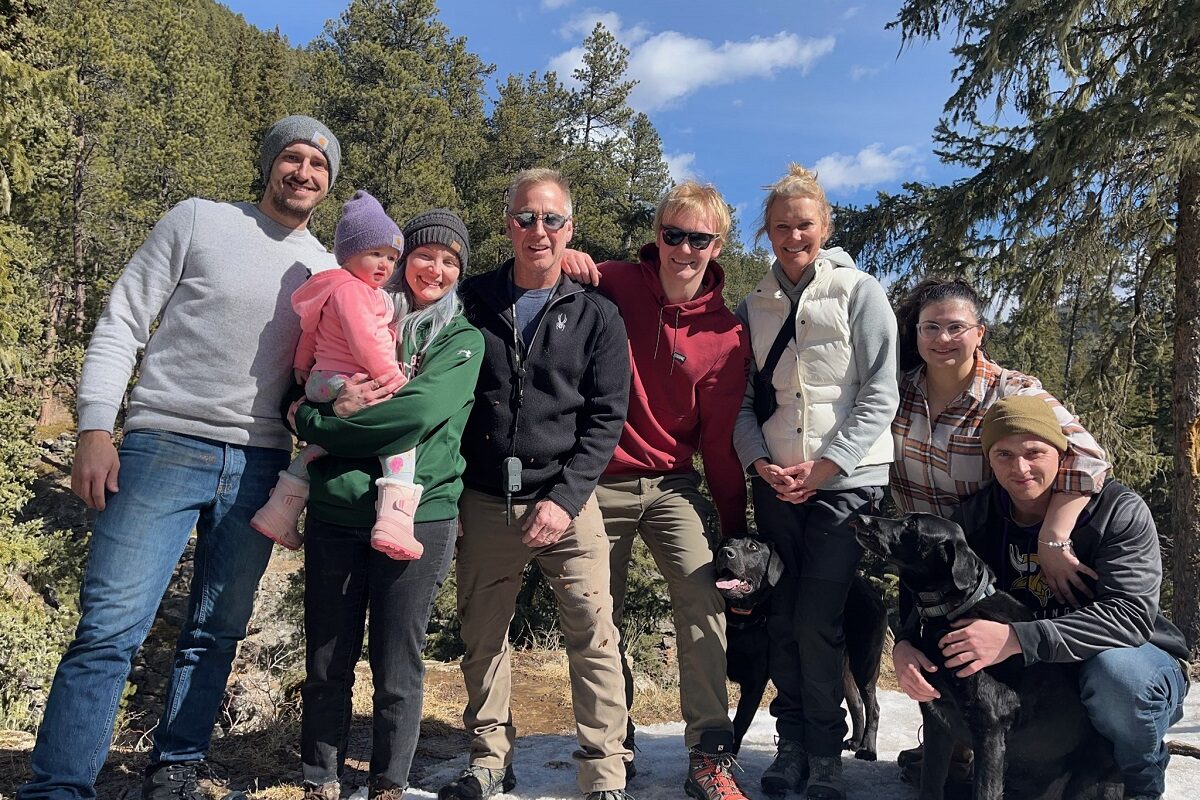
(813, 431)
(947, 384)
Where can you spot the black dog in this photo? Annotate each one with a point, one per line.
(1029, 730)
(747, 569)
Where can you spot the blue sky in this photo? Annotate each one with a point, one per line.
(737, 90)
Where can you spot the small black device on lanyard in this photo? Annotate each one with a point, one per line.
(510, 468)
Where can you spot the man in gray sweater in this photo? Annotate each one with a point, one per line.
(202, 445)
(1133, 662)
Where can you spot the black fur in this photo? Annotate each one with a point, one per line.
(1029, 730)
(754, 564)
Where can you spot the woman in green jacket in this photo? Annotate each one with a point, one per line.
(344, 576)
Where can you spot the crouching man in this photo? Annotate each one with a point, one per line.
(1133, 675)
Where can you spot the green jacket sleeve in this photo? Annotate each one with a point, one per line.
(444, 384)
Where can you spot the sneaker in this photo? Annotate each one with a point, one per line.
(478, 783)
(789, 771)
(710, 777)
(608, 794)
(825, 781)
(322, 791)
(171, 781)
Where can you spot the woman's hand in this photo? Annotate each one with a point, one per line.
(359, 391)
(1063, 571)
(579, 266)
(807, 477)
(910, 664)
(775, 476)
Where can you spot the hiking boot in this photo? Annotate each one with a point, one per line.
(390, 793)
(478, 783)
(608, 794)
(825, 781)
(710, 774)
(279, 519)
(171, 781)
(395, 505)
(962, 765)
(322, 791)
(789, 771)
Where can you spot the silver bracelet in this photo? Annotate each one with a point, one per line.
(1063, 545)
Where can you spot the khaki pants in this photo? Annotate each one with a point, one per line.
(491, 558)
(672, 518)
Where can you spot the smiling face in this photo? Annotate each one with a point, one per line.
(682, 264)
(797, 229)
(1026, 466)
(298, 182)
(944, 352)
(536, 250)
(373, 267)
(431, 271)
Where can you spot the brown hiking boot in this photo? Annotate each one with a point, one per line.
(323, 791)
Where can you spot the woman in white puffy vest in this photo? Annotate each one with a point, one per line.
(814, 433)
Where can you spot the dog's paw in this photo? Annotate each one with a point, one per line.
(864, 754)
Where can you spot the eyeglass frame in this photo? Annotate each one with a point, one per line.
(534, 217)
(954, 337)
(711, 237)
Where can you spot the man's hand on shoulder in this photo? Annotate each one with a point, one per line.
(546, 524)
(95, 468)
(580, 267)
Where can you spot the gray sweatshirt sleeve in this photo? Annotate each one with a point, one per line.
(873, 341)
(1126, 594)
(136, 300)
(748, 440)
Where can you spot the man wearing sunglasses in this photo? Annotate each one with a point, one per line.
(689, 359)
(549, 406)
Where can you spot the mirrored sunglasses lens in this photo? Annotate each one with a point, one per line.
(673, 236)
(525, 219)
(554, 222)
(700, 241)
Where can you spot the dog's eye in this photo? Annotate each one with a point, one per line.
(752, 546)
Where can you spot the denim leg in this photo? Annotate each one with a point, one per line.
(401, 600)
(165, 481)
(1132, 695)
(230, 559)
(335, 612)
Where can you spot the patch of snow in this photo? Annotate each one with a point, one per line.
(545, 770)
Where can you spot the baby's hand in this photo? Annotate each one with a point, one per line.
(301, 375)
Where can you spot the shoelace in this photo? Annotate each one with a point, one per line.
(716, 774)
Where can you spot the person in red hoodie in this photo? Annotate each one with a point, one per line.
(688, 356)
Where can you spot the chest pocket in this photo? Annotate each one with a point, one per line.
(965, 461)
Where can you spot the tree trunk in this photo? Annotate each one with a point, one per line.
(1185, 572)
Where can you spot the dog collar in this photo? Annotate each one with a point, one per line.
(934, 605)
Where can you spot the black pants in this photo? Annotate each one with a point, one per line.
(344, 577)
(819, 555)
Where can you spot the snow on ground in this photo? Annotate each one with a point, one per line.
(544, 768)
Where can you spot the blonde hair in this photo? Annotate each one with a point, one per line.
(799, 182)
(529, 177)
(702, 199)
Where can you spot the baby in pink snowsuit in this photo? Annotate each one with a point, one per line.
(347, 327)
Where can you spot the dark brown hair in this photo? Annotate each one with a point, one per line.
(930, 290)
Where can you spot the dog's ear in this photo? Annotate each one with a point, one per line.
(774, 568)
(964, 564)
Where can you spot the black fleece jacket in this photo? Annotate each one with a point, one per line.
(572, 401)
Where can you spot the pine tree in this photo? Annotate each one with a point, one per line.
(1093, 192)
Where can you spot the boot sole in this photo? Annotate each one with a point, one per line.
(397, 552)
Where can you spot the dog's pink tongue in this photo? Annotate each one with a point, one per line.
(728, 583)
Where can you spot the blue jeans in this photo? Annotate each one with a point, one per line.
(1132, 695)
(343, 578)
(170, 484)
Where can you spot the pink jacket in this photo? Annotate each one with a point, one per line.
(345, 326)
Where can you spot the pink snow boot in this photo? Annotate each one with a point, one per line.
(278, 519)
(394, 509)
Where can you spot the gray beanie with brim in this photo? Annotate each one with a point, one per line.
(439, 226)
(299, 128)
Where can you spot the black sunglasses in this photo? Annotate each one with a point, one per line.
(698, 240)
(552, 222)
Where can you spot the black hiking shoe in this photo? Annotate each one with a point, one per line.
(175, 780)
(789, 771)
(825, 781)
(478, 783)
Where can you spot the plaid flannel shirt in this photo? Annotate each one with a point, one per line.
(940, 463)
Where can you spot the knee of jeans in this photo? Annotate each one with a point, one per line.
(1117, 681)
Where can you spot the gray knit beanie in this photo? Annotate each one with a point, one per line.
(298, 128)
(364, 226)
(439, 226)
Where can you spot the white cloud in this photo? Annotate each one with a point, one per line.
(680, 166)
(849, 13)
(871, 166)
(858, 72)
(554, 5)
(670, 65)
